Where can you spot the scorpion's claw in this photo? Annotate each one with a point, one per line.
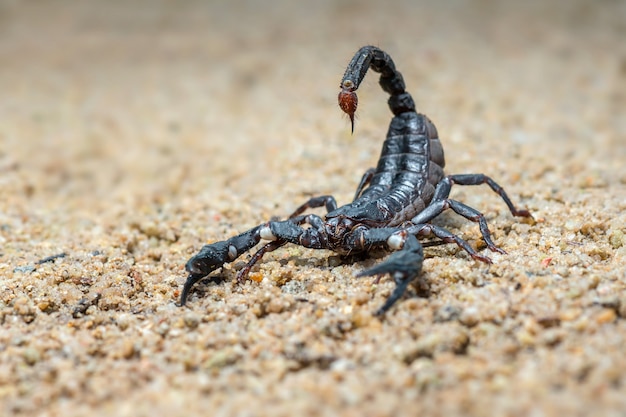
(404, 266)
(401, 277)
(191, 279)
(210, 258)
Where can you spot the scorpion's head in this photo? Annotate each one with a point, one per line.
(348, 99)
(210, 258)
(337, 231)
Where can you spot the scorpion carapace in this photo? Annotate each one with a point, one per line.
(393, 204)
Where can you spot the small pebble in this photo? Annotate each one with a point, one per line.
(191, 320)
(470, 316)
(617, 239)
(447, 313)
(606, 316)
(31, 355)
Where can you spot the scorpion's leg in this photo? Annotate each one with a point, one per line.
(404, 265)
(366, 179)
(441, 202)
(446, 237)
(268, 247)
(435, 208)
(478, 179)
(314, 202)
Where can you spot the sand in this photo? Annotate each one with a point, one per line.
(133, 134)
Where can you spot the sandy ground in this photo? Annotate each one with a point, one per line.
(131, 135)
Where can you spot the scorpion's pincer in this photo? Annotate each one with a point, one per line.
(210, 258)
(348, 100)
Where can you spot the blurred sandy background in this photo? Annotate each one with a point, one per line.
(132, 133)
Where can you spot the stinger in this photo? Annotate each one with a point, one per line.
(348, 100)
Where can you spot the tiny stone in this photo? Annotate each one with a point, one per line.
(191, 321)
(31, 356)
(221, 359)
(616, 239)
(426, 374)
(549, 321)
(551, 337)
(293, 287)
(24, 269)
(470, 317)
(150, 229)
(525, 338)
(569, 315)
(123, 321)
(447, 313)
(275, 306)
(424, 347)
(606, 316)
(573, 225)
(163, 328)
(24, 308)
(128, 349)
(360, 298)
(581, 324)
(361, 318)
(611, 301)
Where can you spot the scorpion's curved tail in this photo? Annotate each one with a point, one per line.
(390, 80)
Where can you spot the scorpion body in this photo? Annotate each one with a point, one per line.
(393, 204)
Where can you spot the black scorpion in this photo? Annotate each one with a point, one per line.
(393, 204)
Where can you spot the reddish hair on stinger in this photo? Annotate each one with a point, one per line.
(348, 100)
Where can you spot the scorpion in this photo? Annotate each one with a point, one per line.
(393, 204)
